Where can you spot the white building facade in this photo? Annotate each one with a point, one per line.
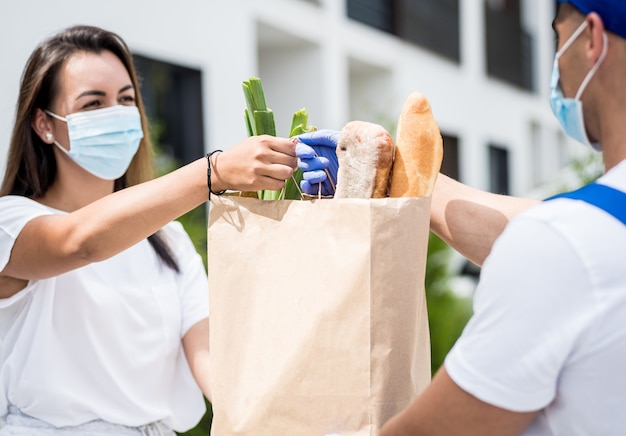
(340, 59)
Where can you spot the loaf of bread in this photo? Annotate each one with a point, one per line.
(418, 152)
(365, 156)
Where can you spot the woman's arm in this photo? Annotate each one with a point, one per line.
(196, 346)
(52, 244)
(469, 219)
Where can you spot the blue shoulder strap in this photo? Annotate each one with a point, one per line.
(611, 200)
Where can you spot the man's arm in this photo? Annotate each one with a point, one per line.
(470, 220)
(445, 409)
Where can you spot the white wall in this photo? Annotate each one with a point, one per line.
(313, 56)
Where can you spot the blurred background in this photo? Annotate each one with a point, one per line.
(483, 64)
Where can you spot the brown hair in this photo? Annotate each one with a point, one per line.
(31, 166)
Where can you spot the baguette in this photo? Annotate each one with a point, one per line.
(365, 157)
(418, 152)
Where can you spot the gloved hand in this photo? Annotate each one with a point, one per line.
(316, 155)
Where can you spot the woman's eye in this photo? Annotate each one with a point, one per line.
(91, 105)
(127, 99)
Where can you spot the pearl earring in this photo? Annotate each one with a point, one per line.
(49, 136)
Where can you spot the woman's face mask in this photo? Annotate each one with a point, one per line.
(569, 111)
(103, 141)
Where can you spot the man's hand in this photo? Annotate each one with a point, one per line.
(317, 158)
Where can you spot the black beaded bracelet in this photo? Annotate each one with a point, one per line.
(208, 174)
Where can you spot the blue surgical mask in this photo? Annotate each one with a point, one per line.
(569, 111)
(103, 141)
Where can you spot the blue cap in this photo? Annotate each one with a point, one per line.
(612, 12)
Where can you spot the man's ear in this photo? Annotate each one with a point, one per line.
(597, 30)
(42, 125)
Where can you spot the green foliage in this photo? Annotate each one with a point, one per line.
(194, 221)
(588, 167)
(204, 426)
(447, 312)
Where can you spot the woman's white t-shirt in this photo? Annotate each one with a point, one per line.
(102, 341)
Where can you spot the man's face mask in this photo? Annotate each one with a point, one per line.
(569, 111)
(103, 141)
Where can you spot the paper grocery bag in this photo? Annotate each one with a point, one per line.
(318, 313)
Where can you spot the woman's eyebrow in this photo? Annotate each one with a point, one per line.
(92, 92)
(125, 88)
(102, 93)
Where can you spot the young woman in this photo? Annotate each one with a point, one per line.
(103, 300)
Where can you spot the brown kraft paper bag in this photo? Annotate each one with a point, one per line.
(318, 313)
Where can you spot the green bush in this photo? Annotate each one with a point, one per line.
(447, 312)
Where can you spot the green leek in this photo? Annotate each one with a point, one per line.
(260, 121)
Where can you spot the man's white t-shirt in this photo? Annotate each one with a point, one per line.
(102, 341)
(549, 324)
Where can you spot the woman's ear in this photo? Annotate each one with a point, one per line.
(42, 126)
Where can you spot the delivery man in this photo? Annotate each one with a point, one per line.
(545, 349)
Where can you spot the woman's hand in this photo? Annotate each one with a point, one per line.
(259, 162)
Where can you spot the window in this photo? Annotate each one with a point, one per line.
(509, 44)
(450, 163)
(498, 170)
(172, 95)
(376, 13)
(369, 87)
(431, 24)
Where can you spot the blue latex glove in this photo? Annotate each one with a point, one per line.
(316, 155)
